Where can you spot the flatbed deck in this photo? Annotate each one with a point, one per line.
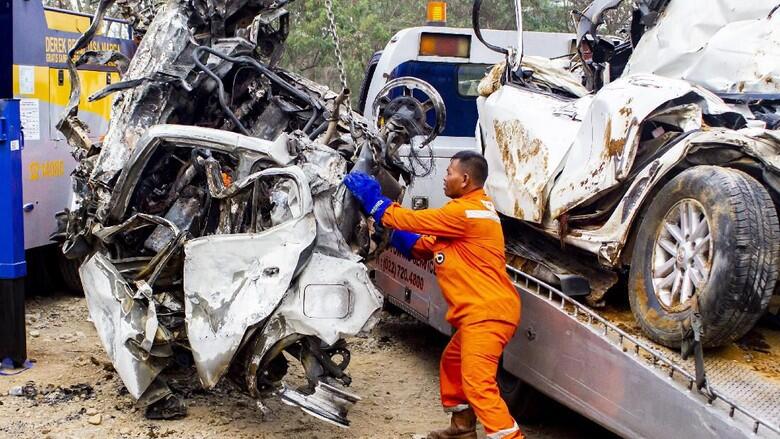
(625, 382)
(598, 363)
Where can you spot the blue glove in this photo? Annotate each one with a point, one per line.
(404, 241)
(367, 191)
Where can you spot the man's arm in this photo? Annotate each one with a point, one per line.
(423, 248)
(446, 222)
(411, 245)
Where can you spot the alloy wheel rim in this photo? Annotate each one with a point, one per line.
(682, 255)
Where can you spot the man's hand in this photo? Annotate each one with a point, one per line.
(404, 241)
(367, 191)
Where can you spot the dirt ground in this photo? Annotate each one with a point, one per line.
(78, 395)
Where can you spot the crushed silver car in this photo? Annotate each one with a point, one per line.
(666, 168)
(211, 220)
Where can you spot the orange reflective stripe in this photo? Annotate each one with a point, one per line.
(482, 214)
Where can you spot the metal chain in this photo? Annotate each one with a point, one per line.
(340, 64)
(337, 43)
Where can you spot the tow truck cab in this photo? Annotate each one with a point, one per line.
(33, 69)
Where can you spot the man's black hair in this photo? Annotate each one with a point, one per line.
(474, 164)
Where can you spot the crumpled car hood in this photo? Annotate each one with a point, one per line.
(602, 152)
(689, 71)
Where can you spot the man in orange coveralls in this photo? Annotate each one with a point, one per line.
(465, 240)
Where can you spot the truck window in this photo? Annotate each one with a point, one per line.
(457, 84)
(369, 76)
(469, 76)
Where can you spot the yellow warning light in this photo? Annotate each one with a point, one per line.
(437, 13)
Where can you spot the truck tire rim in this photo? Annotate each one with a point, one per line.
(682, 255)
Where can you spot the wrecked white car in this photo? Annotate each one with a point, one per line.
(666, 164)
(211, 221)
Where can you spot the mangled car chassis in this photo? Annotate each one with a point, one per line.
(211, 220)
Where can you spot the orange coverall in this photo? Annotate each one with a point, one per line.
(466, 242)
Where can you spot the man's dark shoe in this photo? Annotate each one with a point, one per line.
(463, 425)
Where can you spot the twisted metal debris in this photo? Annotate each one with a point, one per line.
(211, 220)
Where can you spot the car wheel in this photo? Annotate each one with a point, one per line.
(710, 232)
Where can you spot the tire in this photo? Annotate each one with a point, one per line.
(526, 404)
(735, 286)
(69, 270)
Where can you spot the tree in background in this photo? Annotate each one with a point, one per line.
(366, 26)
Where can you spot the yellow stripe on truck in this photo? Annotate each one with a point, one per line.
(48, 88)
(65, 22)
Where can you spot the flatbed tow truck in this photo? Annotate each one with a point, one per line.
(629, 384)
(595, 361)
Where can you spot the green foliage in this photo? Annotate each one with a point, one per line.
(361, 27)
(365, 26)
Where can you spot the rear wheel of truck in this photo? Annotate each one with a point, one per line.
(526, 404)
(69, 270)
(710, 232)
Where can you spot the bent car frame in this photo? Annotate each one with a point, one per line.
(211, 221)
